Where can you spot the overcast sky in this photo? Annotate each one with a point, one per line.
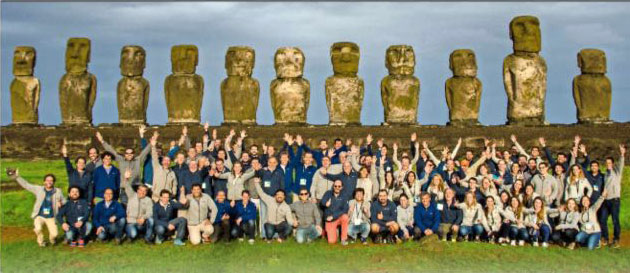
(433, 29)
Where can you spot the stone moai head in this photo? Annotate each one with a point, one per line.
(24, 61)
(463, 63)
(239, 61)
(525, 34)
(289, 62)
(184, 59)
(132, 60)
(345, 58)
(400, 60)
(77, 55)
(592, 61)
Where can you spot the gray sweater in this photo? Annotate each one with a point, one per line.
(199, 208)
(162, 178)
(404, 217)
(321, 184)
(612, 180)
(137, 207)
(306, 213)
(40, 194)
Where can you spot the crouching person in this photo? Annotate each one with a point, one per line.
(109, 218)
(359, 214)
(426, 218)
(279, 219)
(383, 217)
(336, 213)
(165, 218)
(76, 213)
(245, 214)
(202, 211)
(308, 222)
(222, 224)
(48, 200)
(139, 210)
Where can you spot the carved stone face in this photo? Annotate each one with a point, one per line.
(184, 59)
(345, 58)
(592, 61)
(77, 55)
(289, 62)
(525, 33)
(132, 61)
(239, 61)
(463, 63)
(400, 60)
(23, 61)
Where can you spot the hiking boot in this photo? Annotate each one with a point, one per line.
(178, 242)
(615, 244)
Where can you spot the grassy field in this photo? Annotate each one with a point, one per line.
(19, 252)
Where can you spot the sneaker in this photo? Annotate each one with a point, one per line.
(73, 243)
(513, 243)
(477, 238)
(571, 246)
(453, 239)
(81, 243)
(344, 242)
(250, 241)
(42, 244)
(158, 241)
(545, 245)
(603, 242)
(521, 243)
(364, 241)
(280, 240)
(615, 244)
(241, 239)
(178, 242)
(535, 244)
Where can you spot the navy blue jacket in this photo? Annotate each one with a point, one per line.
(338, 205)
(161, 215)
(103, 181)
(101, 215)
(222, 209)
(271, 181)
(303, 174)
(426, 218)
(213, 185)
(349, 182)
(389, 212)
(187, 179)
(179, 169)
(246, 213)
(83, 181)
(450, 214)
(74, 211)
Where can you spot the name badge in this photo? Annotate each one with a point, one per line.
(596, 188)
(303, 182)
(388, 169)
(267, 184)
(203, 186)
(416, 199)
(589, 226)
(440, 207)
(46, 211)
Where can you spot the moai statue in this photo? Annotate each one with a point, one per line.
(290, 93)
(133, 89)
(239, 91)
(463, 90)
(525, 74)
(184, 89)
(344, 89)
(24, 88)
(592, 90)
(400, 90)
(77, 88)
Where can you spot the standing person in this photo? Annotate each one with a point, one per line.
(612, 204)
(450, 216)
(426, 218)
(48, 200)
(245, 215)
(78, 176)
(94, 160)
(139, 210)
(106, 176)
(164, 178)
(202, 211)
(383, 218)
(567, 228)
(335, 206)
(303, 164)
(308, 220)
(590, 231)
(165, 218)
(109, 218)
(278, 218)
(76, 213)
(222, 223)
(128, 161)
(359, 214)
(545, 185)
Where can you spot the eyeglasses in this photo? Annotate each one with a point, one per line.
(336, 186)
(304, 193)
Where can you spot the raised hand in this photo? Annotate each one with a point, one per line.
(243, 134)
(214, 134)
(395, 146)
(379, 143)
(185, 131)
(368, 139)
(459, 141)
(354, 150)
(425, 145)
(583, 149)
(232, 133)
(486, 142)
(414, 137)
(416, 145)
(542, 141)
(622, 149)
(286, 137)
(264, 147)
(99, 137)
(576, 140)
(348, 141)
(64, 149)
(299, 140)
(142, 129)
(153, 140)
(127, 174)
(513, 138)
(206, 126)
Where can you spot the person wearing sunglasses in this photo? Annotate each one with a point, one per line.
(308, 220)
(336, 213)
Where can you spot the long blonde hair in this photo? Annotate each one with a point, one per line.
(440, 185)
(573, 178)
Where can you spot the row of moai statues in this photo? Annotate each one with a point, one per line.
(524, 75)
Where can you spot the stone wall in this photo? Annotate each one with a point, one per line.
(45, 141)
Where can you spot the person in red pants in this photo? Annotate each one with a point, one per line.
(336, 213)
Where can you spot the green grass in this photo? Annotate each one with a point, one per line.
(22, 254)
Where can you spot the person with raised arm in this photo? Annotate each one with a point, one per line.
(303, 164)
(567, 228)
(201, 213)
(78, 176)
(612, 204)
(164, 178)
(277, 217)
(139, 210)
(590, 230)
(106, 176)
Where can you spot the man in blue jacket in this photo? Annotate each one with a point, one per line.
(347, 176)
(303, 166)
(245, 218)
(106, 176)
(336, 213)
(223, 220)
(79, 176)
(165, 220)
(383, 215)
(76, 213)
(426, 218)
(109, 218)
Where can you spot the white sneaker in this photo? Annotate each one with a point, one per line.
(535, 244)
(250, 241)
(545, 245)
(521, 243)
(240, 239)
(513, 243)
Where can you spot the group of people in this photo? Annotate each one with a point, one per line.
(217, 189)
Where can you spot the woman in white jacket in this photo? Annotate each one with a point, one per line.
(590, 231)
(236, 180)
(537, 222)
(577, 184)
(567, 228)
(473, 222)
(436, 188)
(514, 215)
(494, 220)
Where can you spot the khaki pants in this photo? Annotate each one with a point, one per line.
(38, 222)
(195, 232)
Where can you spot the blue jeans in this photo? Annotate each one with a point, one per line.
(246, 227)
(115, 229)
(133, 229)
(518, 233)
(283, 229)
(590, 240)
(540, 235)
(161, 230)
(80, 233)
(610, 207)
(362, 229)
(475, 230)
(309, 233)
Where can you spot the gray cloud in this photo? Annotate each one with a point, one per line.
(433, 29)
